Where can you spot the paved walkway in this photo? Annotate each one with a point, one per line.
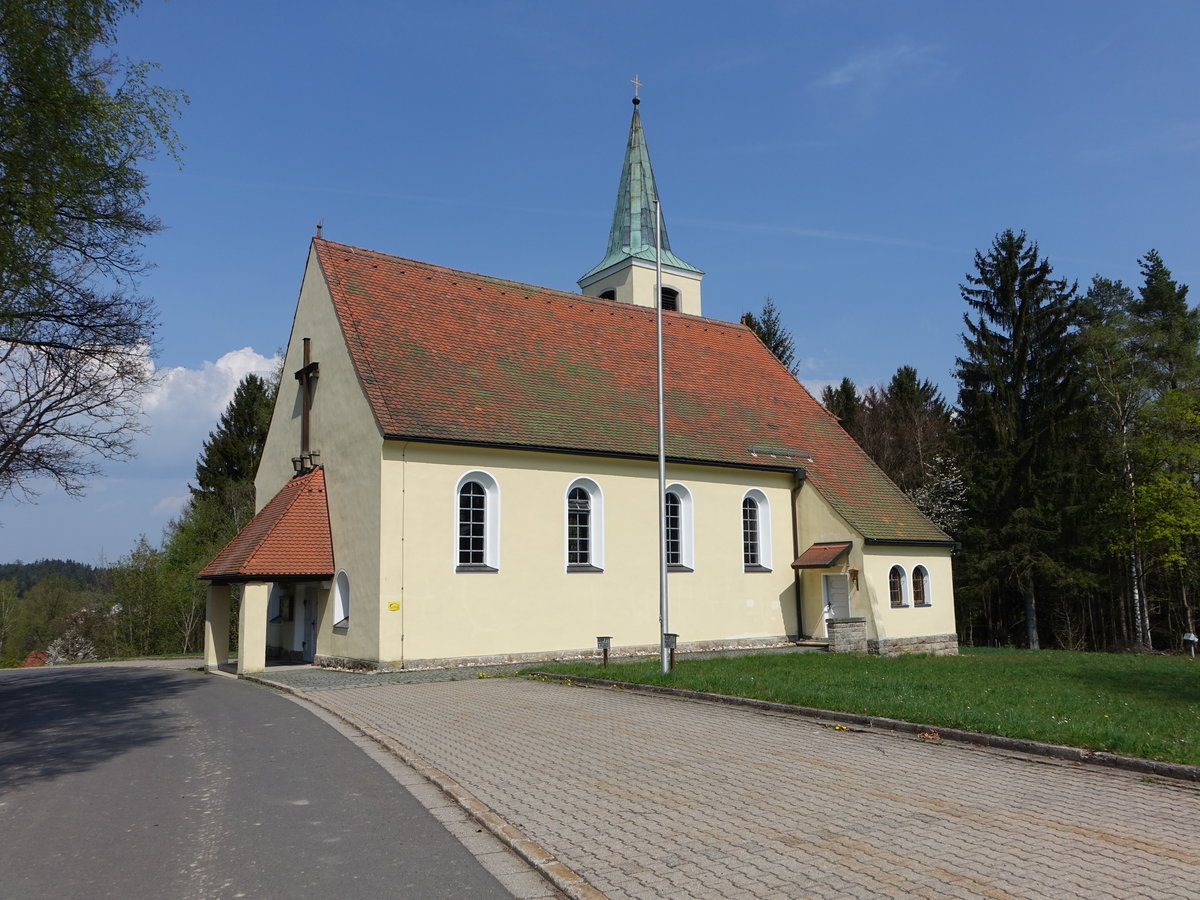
(657, 797)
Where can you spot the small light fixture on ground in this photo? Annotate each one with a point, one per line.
(1190, 641)
(669, 642)
(603, 643)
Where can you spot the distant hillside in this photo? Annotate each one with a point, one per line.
(26, 575)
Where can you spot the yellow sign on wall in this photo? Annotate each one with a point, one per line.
(393, 606)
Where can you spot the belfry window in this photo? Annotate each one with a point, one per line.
(670, 298)
(608, 295)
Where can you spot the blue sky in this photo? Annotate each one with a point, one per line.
(845, 158)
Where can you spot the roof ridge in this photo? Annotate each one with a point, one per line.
(528, 286)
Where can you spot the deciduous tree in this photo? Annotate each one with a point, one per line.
(76, 124)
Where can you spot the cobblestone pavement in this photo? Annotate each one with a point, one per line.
(659, 797)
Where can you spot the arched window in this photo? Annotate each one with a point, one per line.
(585, 526)
(670, 298)
(608, 295)
(477, 500)
(341, 600)
(896, 586)
(750, 544)
(920, 586)
(680, 550)
(756, 532)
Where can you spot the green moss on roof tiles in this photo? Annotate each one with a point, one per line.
(542, 368)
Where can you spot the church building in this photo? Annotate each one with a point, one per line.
(464, 469)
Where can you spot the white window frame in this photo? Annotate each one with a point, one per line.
(491, 522)
(765, 559)
(687, 536)
(341, 600)
(595, 561)
(905, 599)
(920, 567)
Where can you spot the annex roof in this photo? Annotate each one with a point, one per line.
(822, 555)
(287, 539)
(453, 357)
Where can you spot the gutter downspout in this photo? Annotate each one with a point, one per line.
(800, 476)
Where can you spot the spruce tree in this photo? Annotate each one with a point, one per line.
(843, 401)
(768, 325)
(1169, 329)
(227, 464)
(1019, 398)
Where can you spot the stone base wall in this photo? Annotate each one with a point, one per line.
(630, 651)
(847, 635)
(935, 644)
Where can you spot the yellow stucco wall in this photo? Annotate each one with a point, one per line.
(343, 429)
(533, 604)
(910, 621)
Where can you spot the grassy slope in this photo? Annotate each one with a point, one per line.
(1145, 706)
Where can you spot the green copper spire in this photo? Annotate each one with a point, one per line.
(632, 232)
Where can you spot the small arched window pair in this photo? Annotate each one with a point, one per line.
(898, 586)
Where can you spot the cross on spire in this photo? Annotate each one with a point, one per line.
(636, 84)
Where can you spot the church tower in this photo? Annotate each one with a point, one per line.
(627, 272)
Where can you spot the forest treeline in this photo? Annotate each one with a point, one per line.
(149, 602)
(1068, 467)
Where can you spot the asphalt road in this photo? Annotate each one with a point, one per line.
(124, 782)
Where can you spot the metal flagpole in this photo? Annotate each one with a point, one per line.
(662, 451)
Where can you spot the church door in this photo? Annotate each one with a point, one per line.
(837, 597)
(310, 623)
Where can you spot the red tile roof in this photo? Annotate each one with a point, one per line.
(288, 538)
(455, 357)
(821, 556)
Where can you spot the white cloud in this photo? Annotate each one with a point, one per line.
(873, 70)
(186, 403)
(137, 497)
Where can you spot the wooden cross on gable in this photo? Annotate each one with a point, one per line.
(306, 376)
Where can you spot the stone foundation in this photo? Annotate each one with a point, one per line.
(935, 644)
(847, 635)
(499, 659)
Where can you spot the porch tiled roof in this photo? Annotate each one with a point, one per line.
(822, 555)
(287, 539)
(454, 357)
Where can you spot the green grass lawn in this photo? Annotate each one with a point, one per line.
(1145, 706)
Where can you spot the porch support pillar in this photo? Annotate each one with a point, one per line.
(252, 628)
(216, 626)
